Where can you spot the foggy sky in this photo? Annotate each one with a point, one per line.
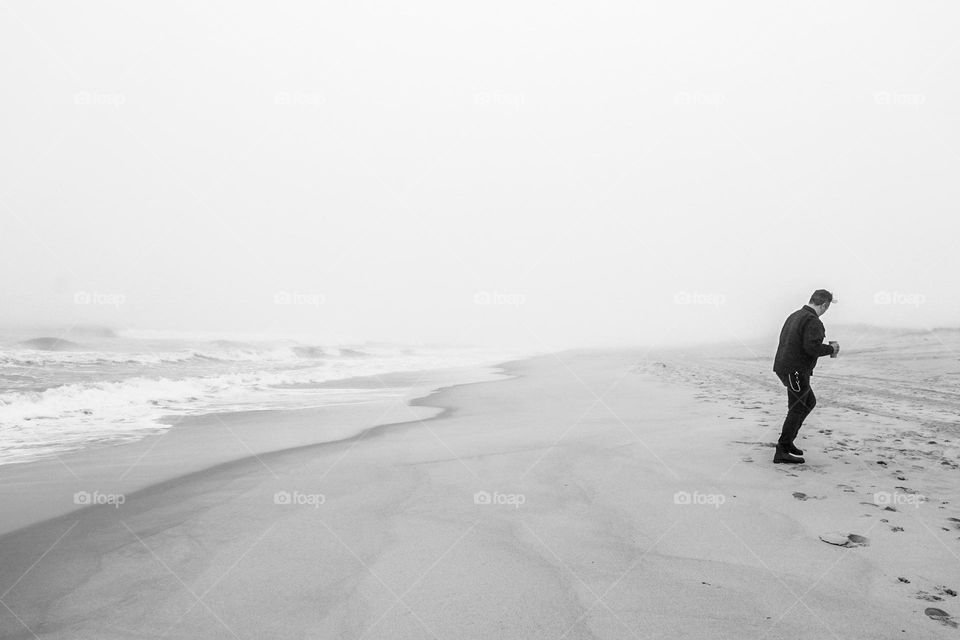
(526, 173)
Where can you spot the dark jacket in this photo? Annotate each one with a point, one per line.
(801, 343)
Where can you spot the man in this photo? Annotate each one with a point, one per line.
(801, 343)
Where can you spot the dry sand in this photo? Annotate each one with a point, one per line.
(545, 505)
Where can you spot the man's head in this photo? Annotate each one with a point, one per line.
(820, 301)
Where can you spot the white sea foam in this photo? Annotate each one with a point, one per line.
(56, 401)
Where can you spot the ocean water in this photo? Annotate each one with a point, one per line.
(96, 387)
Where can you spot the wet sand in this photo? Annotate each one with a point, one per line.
(592, 494)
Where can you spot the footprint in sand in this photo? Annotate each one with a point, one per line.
(845, 488)
(874, 504)
(799, 495)
(940, 590)
(941, 616)
(845, 539)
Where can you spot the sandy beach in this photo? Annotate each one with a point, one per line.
(457, 321)
(585, 494)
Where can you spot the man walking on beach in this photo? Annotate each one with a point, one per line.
(801, 343)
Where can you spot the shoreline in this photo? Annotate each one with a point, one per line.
(88, 469)
(544, 505)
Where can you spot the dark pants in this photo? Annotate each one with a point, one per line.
(800, 402)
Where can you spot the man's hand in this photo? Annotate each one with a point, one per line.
(836, 348)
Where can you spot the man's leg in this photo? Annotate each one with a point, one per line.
(806, 403)
(800, 402)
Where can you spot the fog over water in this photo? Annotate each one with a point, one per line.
(542, 174)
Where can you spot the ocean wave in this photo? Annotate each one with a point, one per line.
(50, 344)
(309, 352)
(70, 415)
(212, 353)
(93, 331)
(28, 358)
(61, 407)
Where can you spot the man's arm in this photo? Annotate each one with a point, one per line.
(813, 335)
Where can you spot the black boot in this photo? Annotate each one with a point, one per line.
(792, 449)
(783, 455)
